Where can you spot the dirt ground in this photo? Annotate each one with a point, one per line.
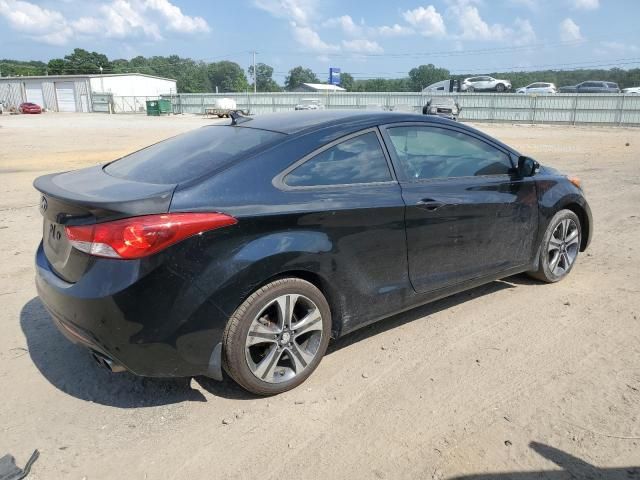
(515, 376)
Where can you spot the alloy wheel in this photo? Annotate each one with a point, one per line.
(284, 338)
(563, 247)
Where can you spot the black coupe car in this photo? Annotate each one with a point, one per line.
(246, 247)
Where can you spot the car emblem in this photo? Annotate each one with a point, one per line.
(43, 204)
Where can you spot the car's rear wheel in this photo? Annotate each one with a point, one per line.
(277, 337)
(470, 88)
(559, 248)
(499, 87)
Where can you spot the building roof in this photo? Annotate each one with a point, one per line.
(323, 87)
(88, 75)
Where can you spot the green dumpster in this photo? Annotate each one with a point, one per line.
(158, 107)
(153, 107)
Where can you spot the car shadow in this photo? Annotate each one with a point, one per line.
(70, 368)
(572, 468)
(428, 309)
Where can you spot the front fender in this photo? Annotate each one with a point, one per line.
(557, 193)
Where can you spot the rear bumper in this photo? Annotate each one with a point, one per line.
(122, 315)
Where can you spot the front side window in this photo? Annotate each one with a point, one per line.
(429, 152)
(357, 160)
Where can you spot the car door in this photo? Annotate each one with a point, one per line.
(467, 213)
(485, 83)
(346, 192)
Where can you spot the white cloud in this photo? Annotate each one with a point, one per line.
(117, 19)
(310, 39)
(300, 11)
(523, 33)
(177, 21)
(585, 4)
(427, 21)
(395, 30)
(346, 23)
(41, 24)
(362, 45)
(471, 24)
(120, 19)
(570, 31)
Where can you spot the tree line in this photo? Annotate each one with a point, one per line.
(195, 76)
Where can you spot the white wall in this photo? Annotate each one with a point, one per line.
(132, 85)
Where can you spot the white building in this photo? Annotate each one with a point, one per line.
(72, 93)
(318, 87)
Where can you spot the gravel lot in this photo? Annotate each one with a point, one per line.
(514, 376)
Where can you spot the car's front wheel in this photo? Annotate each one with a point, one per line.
(500, 87)
(559, 248)
(277, 337)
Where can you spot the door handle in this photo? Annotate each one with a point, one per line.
(429, 204)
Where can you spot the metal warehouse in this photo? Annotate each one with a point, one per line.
(72, 93)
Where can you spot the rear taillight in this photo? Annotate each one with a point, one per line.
(138, 237)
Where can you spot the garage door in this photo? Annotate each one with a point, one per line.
(34, 93)
(66, 97)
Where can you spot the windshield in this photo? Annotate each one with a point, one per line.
(191, 154)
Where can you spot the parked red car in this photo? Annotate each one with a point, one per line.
(29, 107)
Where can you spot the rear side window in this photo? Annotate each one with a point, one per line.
(357, 160)
(191, 154)
(428, 152)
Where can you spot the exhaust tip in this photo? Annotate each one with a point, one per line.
(106, 362)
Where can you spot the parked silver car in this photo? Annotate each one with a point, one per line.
(631, 90)
(591, 87)
(538, 87)
(309, 104)
(484, 84)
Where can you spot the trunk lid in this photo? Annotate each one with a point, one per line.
(88, 196)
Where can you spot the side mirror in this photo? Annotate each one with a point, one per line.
(527, 167)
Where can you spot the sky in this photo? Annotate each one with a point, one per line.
(364, 37)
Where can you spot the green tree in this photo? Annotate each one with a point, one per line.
(347, 82)
(425, 75)
(227, 76)
(56, 66)
(299, 75)
(265, 81)
(11, 68)
(81, 61)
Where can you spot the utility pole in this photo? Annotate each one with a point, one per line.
(101, 80)
(255, 74)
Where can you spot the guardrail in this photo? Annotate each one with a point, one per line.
(607, 109)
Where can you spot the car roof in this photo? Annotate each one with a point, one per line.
(310, 120)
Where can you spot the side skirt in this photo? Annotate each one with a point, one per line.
(424, 298)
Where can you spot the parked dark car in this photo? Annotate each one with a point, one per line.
(445, 107)
(247, 246)
(28, 107)
(591, 87)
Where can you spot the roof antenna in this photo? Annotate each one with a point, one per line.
(239, 116)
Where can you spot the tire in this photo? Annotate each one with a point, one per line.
(264, 353)
(471, 89)
(559, 248)
(500, 87)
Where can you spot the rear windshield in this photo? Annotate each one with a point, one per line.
(191, 154)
